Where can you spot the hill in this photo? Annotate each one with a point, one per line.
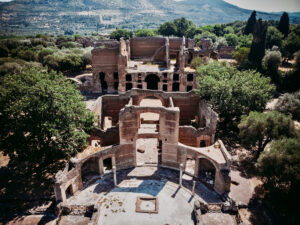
(86, 16)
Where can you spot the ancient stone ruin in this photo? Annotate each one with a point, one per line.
(177, 133)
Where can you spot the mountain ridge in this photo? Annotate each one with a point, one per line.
(86, 16)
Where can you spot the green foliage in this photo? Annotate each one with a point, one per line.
(27, 55)
(205, 35)
(3, 50)
(281, 166)
(182, 26)
(69, 44)
(228, 30)
(221, 41)
(232, 39)
(179, 27)
(274, 37)
(43, 53)
(120, 33)
(44, 112)
(167, 29)
(144, 33)
(9, 68)
(232, 92)
(271, 61)
(291, 44)
(289, 104)
(284, 24)
(241, 56)
(250, 23)
(258, 129)
(196, 62)
(257, 50)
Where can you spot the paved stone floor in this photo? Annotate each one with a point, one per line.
(175, 205)
(150, 154)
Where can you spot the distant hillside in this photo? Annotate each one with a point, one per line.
(86, 16)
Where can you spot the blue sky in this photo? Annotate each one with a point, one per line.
(268, 5)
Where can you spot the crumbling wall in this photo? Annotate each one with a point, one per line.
(146, 48)
(106, 137)
(208, 119)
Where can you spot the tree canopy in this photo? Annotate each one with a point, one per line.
(258, 129)
(42, 117)
(281, 167)
(289, 104)
(120, 33)
(232, 92)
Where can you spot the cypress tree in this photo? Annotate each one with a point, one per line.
(257, 51)
(284, 24)
(250, 23)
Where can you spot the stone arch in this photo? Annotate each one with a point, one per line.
(207, 171)
(152, 94)
(152, 81)
(89, 167)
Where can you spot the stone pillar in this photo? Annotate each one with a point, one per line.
(115, 175)
(194, 187)
(196, 170)
(180, 174)
(101, 168)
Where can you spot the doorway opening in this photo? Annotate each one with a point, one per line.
(107, 164)
(152, 82)
(207, 172)
(103, 82)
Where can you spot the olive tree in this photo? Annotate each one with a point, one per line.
(258, 129)
(232, 92)
(42, 117)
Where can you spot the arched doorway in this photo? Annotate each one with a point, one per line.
(89, 169)
(152, 82)
(207, 171)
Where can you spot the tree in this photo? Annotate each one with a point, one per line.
(257, 50)
(220, 43)
(291, 44)
(205, 35)
(271, 62)
(250, 23)
(241, 56)
(232, 39)
(144, 33)
(289, 104)
(42, 117)
(273, 37)
(281, 166)
(284, 24)
(196, 62)
(232, 92)
(182, 26)
(167, 29)
(120, 33)
(258, 129)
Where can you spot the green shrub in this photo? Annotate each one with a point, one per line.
(289, 104)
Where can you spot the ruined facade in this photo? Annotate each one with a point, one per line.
(185, 130)
(155, 63)
(177, 133)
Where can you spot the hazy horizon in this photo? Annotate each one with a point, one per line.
(268, 5)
